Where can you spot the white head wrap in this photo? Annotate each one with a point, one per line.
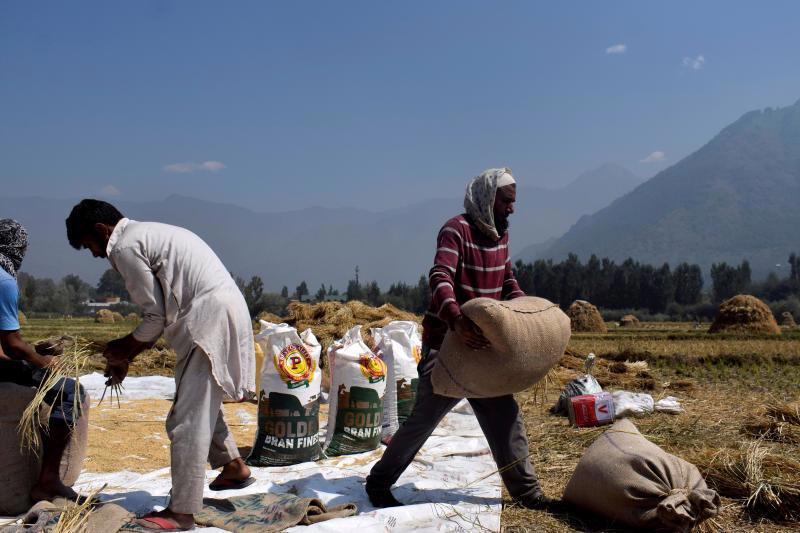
(479, 200)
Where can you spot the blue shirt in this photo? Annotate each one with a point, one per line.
(9, 301)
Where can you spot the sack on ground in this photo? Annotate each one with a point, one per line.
(628, 479)
(528, 336)
(19, 470)
(358, 385)
(288, 399)
(399, 345)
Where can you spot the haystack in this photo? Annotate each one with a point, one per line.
(629, 321)
(787, 320)
(132, 317)
(266, 316)
(104, 316)
(330, 320)
(744, 314)
(585, 317)
(22, 318)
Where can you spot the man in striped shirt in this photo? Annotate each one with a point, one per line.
(471, 261)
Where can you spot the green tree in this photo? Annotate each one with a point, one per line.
(112, 284)
(301, 290)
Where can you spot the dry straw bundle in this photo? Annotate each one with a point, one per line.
(787, 320)
(768, 485)
(330, 320)
(35, 417)
(777, 421)
(585, 317)
(104, 316)
(629, 321)
(614, 374)
(744, 314)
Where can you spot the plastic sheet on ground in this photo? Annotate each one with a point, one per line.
(450, 486)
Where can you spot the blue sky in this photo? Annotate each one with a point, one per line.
(376, 104)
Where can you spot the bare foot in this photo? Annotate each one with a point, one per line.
(166, 519)
(53, 489)
(236, 470)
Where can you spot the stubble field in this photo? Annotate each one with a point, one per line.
(741, 426)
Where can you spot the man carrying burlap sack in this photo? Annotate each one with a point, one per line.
(20, 363)
(187, 294)
(471, 261)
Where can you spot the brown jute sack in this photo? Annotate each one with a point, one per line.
(19, 471)
(528, 336)
(628, 479)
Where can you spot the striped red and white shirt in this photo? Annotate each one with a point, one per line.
(467, 265)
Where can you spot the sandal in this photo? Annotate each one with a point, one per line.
(160, 523)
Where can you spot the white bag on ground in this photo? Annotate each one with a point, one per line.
(288, 402)
(399, 345)
(669, 405)
(628, 403)
(358, 385)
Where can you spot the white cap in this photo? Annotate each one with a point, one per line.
(505, 179)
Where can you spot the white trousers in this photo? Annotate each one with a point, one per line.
(197, 431)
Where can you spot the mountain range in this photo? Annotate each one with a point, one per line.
(316, 244)
(735, 198)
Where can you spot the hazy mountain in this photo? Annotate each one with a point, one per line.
(320, 245)
(735, 198)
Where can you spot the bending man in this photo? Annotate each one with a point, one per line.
(471, 261)
(187, 294)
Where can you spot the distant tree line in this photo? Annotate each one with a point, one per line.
(67, 296)
(656, 289)
(628, 285)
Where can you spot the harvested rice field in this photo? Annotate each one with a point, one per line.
(741, 424)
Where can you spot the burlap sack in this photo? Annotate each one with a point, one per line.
(19, 471)
(528, 336)
(628, 479)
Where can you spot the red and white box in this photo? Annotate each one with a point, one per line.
(589, 410)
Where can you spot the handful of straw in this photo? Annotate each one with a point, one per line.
(36, 416)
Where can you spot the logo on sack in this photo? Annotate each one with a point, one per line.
(373, 368)
(416, 351)
(295, 365)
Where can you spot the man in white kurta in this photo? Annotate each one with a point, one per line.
(188, 295)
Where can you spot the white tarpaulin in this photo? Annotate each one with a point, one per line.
(450, 486)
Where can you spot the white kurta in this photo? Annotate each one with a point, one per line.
(187, 294)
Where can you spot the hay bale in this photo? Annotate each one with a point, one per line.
(585, 318)
(629, 321)
(132, 317)
(331, 320)
(104, 316)
(787, 320)
(266, 316)
(117, 317)
(22, 318)
(744, 313)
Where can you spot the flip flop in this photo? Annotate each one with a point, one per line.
(160, 523)
(231, 484)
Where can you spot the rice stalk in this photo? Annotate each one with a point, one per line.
(36, 415)
(75, 518)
